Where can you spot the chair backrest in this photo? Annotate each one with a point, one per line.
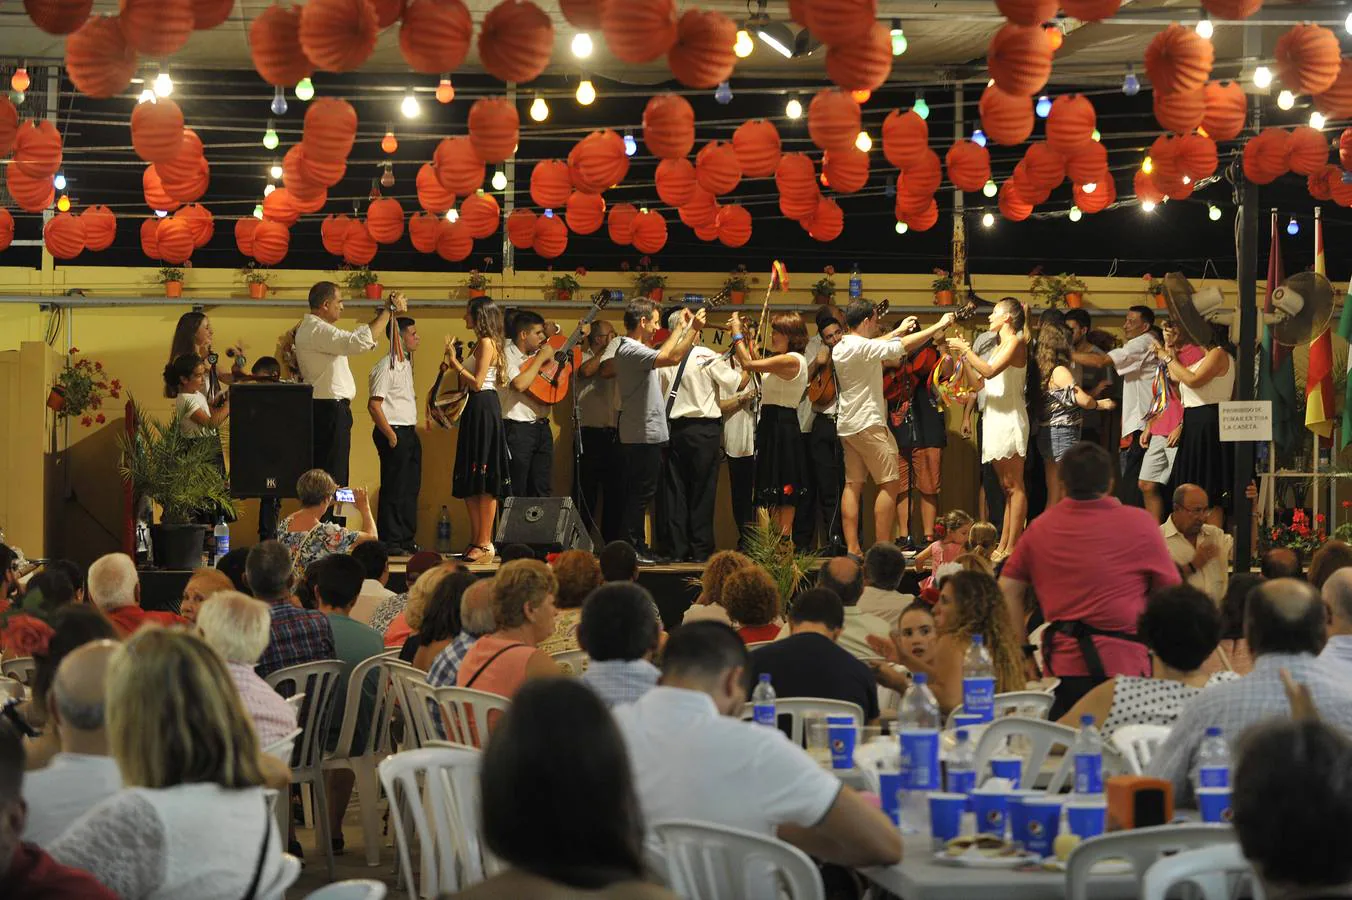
(799, 708)
(295, 701)
(1035, 739)
(572, 662)
(713, 862)
(1217, 871)
(287, 872)
(1137, 744)
(319, 682)
(20, 668)
(351, 889)
(1140, 847)
(399, 671)
(467, 716)
(420, 710)
(1030, 704)
(282, 747)
(379, 715)
(451, 856)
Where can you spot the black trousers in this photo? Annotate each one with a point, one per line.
(1129, 461)
(598, 489)
(531, 445)
(691, 481)
(333, 442)
(269, 513)
(828, 464)
(742, 490)
(641, 471)
(400, 481)
(806, 504)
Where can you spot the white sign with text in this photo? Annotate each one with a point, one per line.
(1246, 420)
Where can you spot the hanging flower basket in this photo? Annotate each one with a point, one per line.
(56, 398)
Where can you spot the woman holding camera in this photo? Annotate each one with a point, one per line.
(307, 536)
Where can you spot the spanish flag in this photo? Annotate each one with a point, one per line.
(1319, 380)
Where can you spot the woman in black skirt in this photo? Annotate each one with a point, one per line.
(781, 466)
(1202, 459)
(481, 475)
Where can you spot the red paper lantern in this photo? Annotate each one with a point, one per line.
(551, 236)
(840, 22)
(827, 222)
(669, 126)
(157, 130)
(1307, 58)
(620, 223)
(1232, 9)
(244, 235)
(389, 11)
(584, 15)
(708, 232)
(58, 16)
(1308, 150)
(277, 207)
(330, 129)
(384, 220)
(717, 169)
(700, 209)
(333, 232)
(338, 35)
(431, 195)
(833, 120)
(100, 227)
(863, 64)
(1164, 154)
(516, 39)
(1031, 191)
(1226, 110)
(521, 228)
(274, 43)
(968, 165)
(1337, 100)
(293, 175)
(1091, 10)
(1097, 200)
(846, 170)
(734, 226)
(150, 229)
(639, 31)
(1071, 123)
(64, 236)
(199, 221)
(1178, 59)
(758, 147)
(1020, 59)
(359, 245)
(1027, 12)
(1006, 118)
(702, 56)
(1197, 156)
(186, 166)
(1147, 191)
(207, 14)
(650, 232)
(310, 203)
(37, 149)
(1266, 156)
(458, 166)
(1180, 111)
(99, 60)
(675, 183)
(598, 162)
(435, 35)
(1046, 167)
(494, 128)
(1320, 184)
(423, 229)
(481, 214)
(550, 183)
(1341, 191)
(586, 213)
(174, 241)
(922, 219)
(9, 126)
(191, 188)
(156, 27)
(905, 137)
(152, 188)
(32, 194)
(325, 173)
(924, 175)
(1012, 204)
(1345, 149)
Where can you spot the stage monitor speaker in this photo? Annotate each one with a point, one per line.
(545, 524)
(270, 438)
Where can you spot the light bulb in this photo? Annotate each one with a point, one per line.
(902, 228)
(1147, 165)
(163, 85)
(305, 89)
(1187, 180)
(499, 180)
(20, 80)
(1148, 206)
(278, 102)
(387, 177)
(452, 215)
(63, 203)
(793, 109)
(161, 213)
(269, 188)
(1317, 120)
(1293, 227)
(1204, 27)
(861, 96)
(1055, 36)
(275, 171)
(1044, 106)
(539, 109)
(586, 92)
(1075, 214)
(258, 212)
(270, 139)
(549, 213)
(17, 97)
(863, 141)
(1286, 100)
(410, 107)
(582, 45)
(990, 189)
(723, 94)
(1262, 78)
(987, 220)
(59, 182)
(979, 138)
(1213, 212)
(1095, 136)
(630, 145)
(445, 90)
(1131, 85)
(146, 96)
(898, 36)
(744, 46)
(921, 108)
(1089, 187)
(389, 143)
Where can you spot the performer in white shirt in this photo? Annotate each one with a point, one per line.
(596, 490)
(525, 418)
(741, 411)
(818, 423)
(393, 406)
(322, 349)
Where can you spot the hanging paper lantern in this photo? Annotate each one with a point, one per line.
(156, 27)
(1091, 10)
(923, 219)
(702, 56)
(191, 188)
(1027, 12)
(9, 126)
(310, 203)
(1031, 190)
(1071, 123)
(481, 214)
(1164, 154)
(551, 236)
(598, 162)
(157, 130)
(833, 120)
(338, 35)
(708, 232)
(639, 31)
(1020, 59)
(277, 207)
(389, 11)
(521, 228)
(199, 221)
(827, 222)
(1337, 100)
(758, 148)
(1096, 200)
(1012, 204)
(924, 175)
(99, 60)
(333, 232)
(968, 165)
(905, 137)
(359, 245)
(1226, 110)
(1345, 149)
(862, 65)
(271, 240)
(58, 16)
(1178, 59)
(584, 15)
(1197, 156)
(675, 181)
(37, 149)
(1308, 150)
(330, 129)
(1007, 119)
(435, 35)
(669, 126)
(717, 169)
(7, 229)
(650, 232)
(152, 188)
(274, 44)
(494, 128)
(734, 226)
(796, 179)
(1180, 111)
(423, 229)
(294, 175)
(326, 173)
(1307, 58)
(64, 236)
(1266, 156)
(174, 240)
(1147, 191)
(431, 195)
(32, 194)
(384, 220)
(185, 166)
(1320, 184)
(1232, 9)
(550, 183)
(516, 39)
(700, 209)
(100, 227)
(846, 170)
(840, 22)
(458, 167)
(150, 245)
(207, 14)
(620, 223)
(454, 242)
(1341, 191)
(587, 212)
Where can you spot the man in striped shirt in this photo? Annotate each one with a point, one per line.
(476, 620)
(620, 631)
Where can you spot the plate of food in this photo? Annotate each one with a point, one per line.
(984, 851)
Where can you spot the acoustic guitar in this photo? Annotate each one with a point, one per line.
(551, 383)
(821, 389)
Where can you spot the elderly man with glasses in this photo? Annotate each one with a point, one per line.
(1201, 550)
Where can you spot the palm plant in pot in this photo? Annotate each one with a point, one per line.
(181, 474)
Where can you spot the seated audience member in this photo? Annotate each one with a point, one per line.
(202, 584)
(579, 574)
(47, 591)
(983, 539)
(709, 603)
(1280, 562)
(1199, 549)
(808, 663)
(115, 588)
(693, 758)
(305, 534)
(1284, 625)
(232, 566)
(918, 631)
(82, 774)
(374, 557)
(194, 819)
(510, 552)
(1331, 557)
(476, 620)
(845, 577)
(970, 603)
(621, 632)
(9, 576)
(1337, 596)
(404, 628)
(1181, 626)
(296, 635)
(884, 564)
(73, 571)
(440, 620)
(557, 748)
(618, 561)
(751, 598)
(1232, 653)
(523, 608)
(236, 626)
(1292, 804)
(26, 871)
(389, 611)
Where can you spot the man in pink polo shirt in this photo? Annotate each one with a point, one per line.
(1091, 562)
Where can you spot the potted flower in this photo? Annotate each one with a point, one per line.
(80, 389)
(257, 279)
(364, 280)
(824, 288)
(736, 286)
(476, 285)
(1155, 290)
(1057, 289)
(172, 279)
(650, 285)
(565, 286)
(943, 288)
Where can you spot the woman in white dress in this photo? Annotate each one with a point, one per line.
(1004, 425)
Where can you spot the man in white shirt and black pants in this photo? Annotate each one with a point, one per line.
(322, 349)
(530, 441)
(393, 406)
(596, 491)
(818, 422)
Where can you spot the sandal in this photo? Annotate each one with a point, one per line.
(483, 552)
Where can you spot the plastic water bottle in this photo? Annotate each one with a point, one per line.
(222, 534)
(856, 283)
(978, 681)
(1088, 754)
(763, 702)
(918, 726)
(444, 531)
(960, 776)
(1213, 760)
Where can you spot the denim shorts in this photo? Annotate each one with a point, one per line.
(1054, 440)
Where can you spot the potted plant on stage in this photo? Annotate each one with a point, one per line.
(476, 285)
(736, 286)
(943, 288)
(172, 279)
(650, 285)
(181, 474)
(80, 389)
(1055, 290)
(257, 279)
(364, 280)
(567, 285)
(824, 288)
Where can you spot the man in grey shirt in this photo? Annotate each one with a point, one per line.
(643, 417)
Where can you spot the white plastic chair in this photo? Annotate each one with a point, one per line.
(713, 862)
(352, 889)
(1140, 847)
(400, 672)
(282, 747)
(287, 873)
(1040, 737)
(20, 668)
(572, 662)
(1137, 744)
(455, 714)
(1217, 872)
(799, 708)
(296, 701)
(1030, 704)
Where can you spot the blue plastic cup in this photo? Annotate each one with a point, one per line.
(1214, 804)
(1037, 820)
(992, 812)
(889, 789)
(842, 734)
(946, 816)
(967, 720)
(1010, 767)
(1086, 818)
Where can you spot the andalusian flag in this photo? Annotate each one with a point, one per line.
(1319, 379)
(1276, 373)
(1345, 332)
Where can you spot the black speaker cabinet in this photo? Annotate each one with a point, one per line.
(545, 524)
(270, 438)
